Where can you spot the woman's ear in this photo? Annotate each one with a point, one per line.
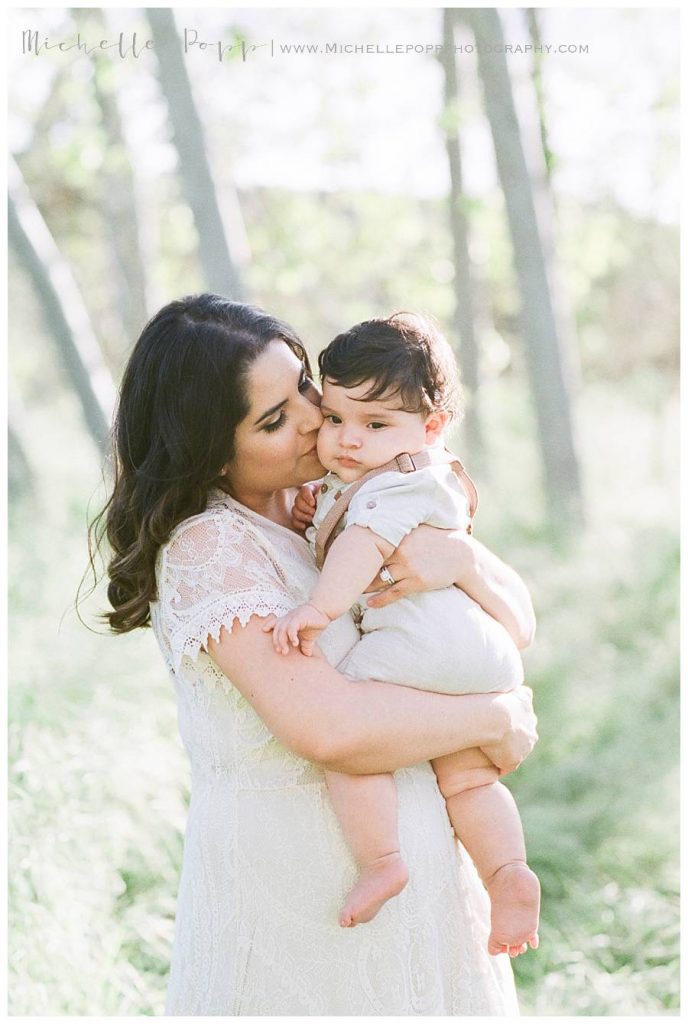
(435, 425)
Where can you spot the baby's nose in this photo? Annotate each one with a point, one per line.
(350, 439)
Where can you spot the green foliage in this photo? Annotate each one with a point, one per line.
(99, 780)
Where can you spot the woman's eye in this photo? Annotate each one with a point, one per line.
(269, 427)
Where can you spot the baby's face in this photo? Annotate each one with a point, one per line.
(357, 436)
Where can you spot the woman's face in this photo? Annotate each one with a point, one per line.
(275, 444)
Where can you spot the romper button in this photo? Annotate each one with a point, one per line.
(371, 504)
(324, 488)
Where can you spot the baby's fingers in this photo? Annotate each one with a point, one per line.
(269, 624)
(279, 639)
(293, 633)
(306, 496)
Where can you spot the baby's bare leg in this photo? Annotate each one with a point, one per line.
(486, 820)
(366, 806)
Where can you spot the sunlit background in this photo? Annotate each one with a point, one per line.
(327, 199)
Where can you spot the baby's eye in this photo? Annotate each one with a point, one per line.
(333, 419)
(377, 426)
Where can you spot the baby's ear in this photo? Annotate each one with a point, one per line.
(435, 425)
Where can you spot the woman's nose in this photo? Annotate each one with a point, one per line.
(312, 418)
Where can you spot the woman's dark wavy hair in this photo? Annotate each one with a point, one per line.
(182, 397)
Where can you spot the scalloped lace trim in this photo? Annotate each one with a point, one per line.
(189, 641)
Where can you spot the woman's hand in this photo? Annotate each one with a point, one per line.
(426, 559)
(366, 727)
(429, 558)
(520, 733)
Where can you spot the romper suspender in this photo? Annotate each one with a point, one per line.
(404, 463)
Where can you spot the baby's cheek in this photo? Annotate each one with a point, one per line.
(324, 445)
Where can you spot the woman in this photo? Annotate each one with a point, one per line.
(216, 428)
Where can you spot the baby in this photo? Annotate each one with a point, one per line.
(389, 389)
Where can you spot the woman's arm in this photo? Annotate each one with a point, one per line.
(428, 559)
(366, 727)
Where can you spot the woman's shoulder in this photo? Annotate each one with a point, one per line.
(200, 538)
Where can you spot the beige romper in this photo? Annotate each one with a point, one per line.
(438, 640)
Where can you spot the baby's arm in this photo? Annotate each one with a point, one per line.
(352, 562)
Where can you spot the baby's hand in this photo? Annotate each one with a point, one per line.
(301, 627)
(304, 506)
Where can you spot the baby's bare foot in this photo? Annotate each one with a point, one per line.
(515, 897)
(376, 884)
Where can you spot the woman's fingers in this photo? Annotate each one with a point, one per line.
(391, 594)
(520, 735)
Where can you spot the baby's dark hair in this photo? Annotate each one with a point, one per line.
(403, 354)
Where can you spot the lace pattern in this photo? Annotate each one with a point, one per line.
(211, 573)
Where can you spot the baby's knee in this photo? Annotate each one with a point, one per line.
(461, 780)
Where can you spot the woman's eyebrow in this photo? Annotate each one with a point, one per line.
(271, 411)
(274, 409)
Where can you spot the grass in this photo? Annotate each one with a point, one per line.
(99, 779)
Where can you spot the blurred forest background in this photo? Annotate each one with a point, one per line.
(528, 202)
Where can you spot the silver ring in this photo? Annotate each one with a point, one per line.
(386, 576)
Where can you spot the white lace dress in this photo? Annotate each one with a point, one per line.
(265, 864)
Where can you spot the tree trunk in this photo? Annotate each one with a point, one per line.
(21, 477)
(536, 41)
(219, 267)
(65, 314)
(541, 159)
(545, 364)
(463, 285)
(118, 192)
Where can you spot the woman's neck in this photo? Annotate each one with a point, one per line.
(275, 506)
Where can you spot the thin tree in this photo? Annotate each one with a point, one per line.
(539, 325)
(220, 269)
(458, 223)
(542, 162)
(533, 23)
(117, 191)
(65, 313)
(20, 471)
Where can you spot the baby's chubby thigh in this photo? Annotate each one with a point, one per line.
(440, 640)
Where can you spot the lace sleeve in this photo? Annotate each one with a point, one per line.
(211, 572)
